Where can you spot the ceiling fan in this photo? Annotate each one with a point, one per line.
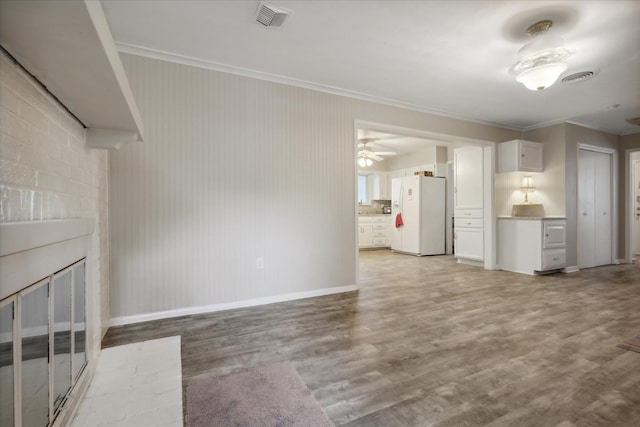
(366, 155)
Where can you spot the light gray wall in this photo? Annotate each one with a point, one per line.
(420, 157)
(550, 184)
(234, 168)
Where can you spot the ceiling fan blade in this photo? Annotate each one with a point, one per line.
(385, 153)
(374, 157)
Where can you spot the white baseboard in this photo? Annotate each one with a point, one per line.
(471, 262)
(185, 311)
(571, 269)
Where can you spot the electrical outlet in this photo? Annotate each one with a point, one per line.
(259, 263)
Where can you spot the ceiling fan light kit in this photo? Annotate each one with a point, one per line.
(366, 155)
(540, 61)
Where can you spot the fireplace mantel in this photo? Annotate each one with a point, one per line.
(30, 251)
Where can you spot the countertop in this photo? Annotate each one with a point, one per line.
(532, 218)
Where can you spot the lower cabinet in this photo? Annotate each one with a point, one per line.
(373, 231)
(531, 245)
(469, 243)
(469, 235)
(365, 235)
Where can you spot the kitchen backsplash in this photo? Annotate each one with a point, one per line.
(374, 208)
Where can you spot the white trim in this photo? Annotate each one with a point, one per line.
(547, 124)
(254, 74)
(614, 195)
(471, 262)
(571, 269)
(417, 133)
(355, 203)
(125, 320)
(22, 236)
(629, 205)
(490, 220)
(601, 129)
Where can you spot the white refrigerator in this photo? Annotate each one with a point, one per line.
(420, 203)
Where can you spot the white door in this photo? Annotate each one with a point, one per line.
(594, 209)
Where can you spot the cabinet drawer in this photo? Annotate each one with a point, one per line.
(469, 222)
(381, 219)
(468, 213)
(553, 259)
(379, 226)
(380, 233)
(365, 219)
(379, 241)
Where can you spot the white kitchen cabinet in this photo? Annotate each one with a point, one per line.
(469, 234)
(373, 186)
(531, 245)
(468, 178)
(373, 231)
(381, 189)
(520, 156)
(365, 234)
(469, 243)
(468, 199)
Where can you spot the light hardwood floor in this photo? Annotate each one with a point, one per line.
(426, 341)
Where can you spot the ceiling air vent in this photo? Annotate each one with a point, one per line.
(579, 77)
(271, 16)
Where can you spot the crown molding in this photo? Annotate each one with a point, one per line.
(274, 78)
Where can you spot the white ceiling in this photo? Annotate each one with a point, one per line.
(447, 57)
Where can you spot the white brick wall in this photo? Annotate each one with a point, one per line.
(46, 172)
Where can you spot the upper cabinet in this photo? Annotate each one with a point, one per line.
(520, 156)
(373, 186)
(468, 178)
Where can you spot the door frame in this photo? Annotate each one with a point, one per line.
(629, 205)
(613, 158)
(489, 167)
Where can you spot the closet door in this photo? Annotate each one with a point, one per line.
(586, 209)
(594, 209)
(602, 208)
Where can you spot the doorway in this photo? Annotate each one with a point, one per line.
(596, 211)
(440, 166)
(634, 194)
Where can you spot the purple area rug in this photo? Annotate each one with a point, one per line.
(632, 344)
(270, 395)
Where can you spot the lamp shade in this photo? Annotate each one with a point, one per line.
(527, 183)
(542, 76)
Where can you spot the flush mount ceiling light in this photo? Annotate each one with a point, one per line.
(540, 61)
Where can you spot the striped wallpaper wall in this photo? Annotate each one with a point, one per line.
(232, 169)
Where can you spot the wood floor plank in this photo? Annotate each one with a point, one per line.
(427, 341)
